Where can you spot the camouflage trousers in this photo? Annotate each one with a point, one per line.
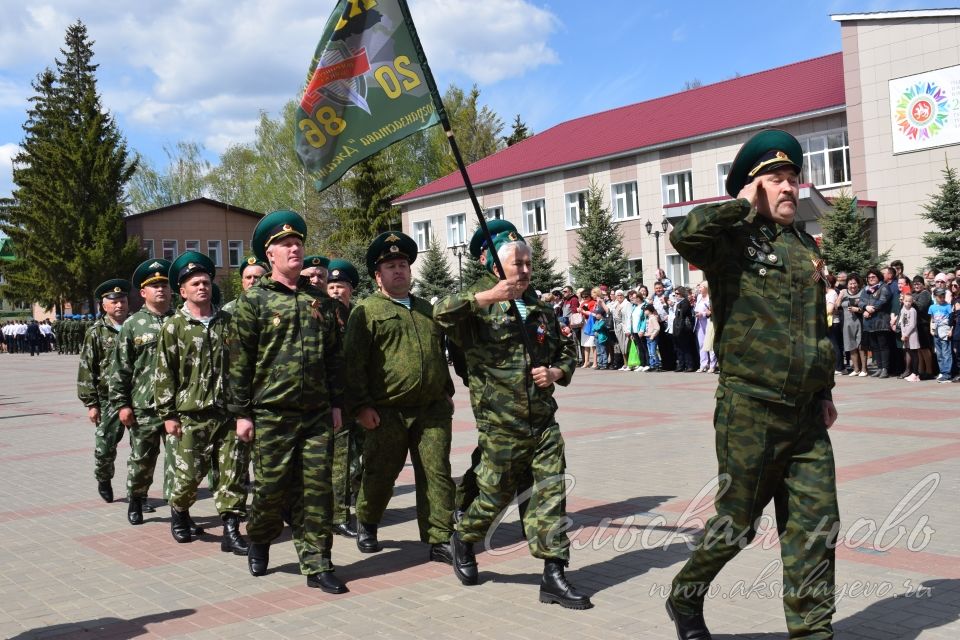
(767, 452)
(342, 449)
(291, 456)
(203, 436)
(145, 439)
(467, 489)
(426, 433)
(507, 459)
(107, 436)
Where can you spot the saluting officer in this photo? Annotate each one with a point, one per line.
(315, 269)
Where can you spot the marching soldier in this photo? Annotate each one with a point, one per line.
(131, 382)
(286, 392)
(191, 399)
(400, 392)
(93, 376)
(515, 412)
(774, 402)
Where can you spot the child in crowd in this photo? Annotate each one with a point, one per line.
(941, 331)
(601, 339)
(651, 332)
(910, 338)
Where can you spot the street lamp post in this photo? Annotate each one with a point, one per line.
(656, 235)
(459, 250)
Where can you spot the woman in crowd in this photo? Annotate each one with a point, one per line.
(921, 302)
(834, 315)
(587, 342)
(684, 340)
(955, 323)
(620, 330)
(878, 336)
(852, 309)
(703, 310)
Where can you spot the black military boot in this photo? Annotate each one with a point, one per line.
(195, 529)
(134, 511)
(180, 525)
(689, 627)
(440, 552)
(145, 505)
(232, 541)
(327, 581)
(258, 557)
(464, 560)
(345, 529)
(105, 489)
(556, 589)
(367, 538)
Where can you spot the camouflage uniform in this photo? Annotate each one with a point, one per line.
(516, 418)
(776, 363)
(345, 452)
(397, 367)
(285, 361)
(190, 385)
(93, 389)
(131, 385)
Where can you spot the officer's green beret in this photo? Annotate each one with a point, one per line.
(112, 289)
(273, 227)
(316, 261)
(478, 241)
(764, 152)
(188, 263)
(500, 239)
(252, 261)
(389, 245)
(343, 271)
(216, 296)
(150, 271)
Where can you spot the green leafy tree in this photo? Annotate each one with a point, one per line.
(600, 254)
(477, 129)
(944, 212)
(846, 237)
(545, 276)
(518, 132)
(435, 278)
(185, 178)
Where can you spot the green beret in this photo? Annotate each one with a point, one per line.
(251, 261)
(150, 271)
(502, 238)
(188, 263)
(389, 245)
(478, 241)
(273, 227)
(316, 261)
(112, 289)
(343, 271)
(768, 150)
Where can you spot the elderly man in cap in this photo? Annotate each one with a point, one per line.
(774, 402)
(190, 397)
(513, 364)
(286, 392)
(131, 381)
(251, 270)
(93, 388)
(400, 393)
(315, 269)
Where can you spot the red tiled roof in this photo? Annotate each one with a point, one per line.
(801, 87)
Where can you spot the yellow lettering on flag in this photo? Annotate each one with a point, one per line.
(355, 10)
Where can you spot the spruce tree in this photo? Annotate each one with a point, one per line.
(600, 254)
(518, 132)
(472, 271)
(846, 237)
(545, 276)
(435, 278)
(944, 212)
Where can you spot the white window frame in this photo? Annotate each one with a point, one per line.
(723, 170)
(238, 245)
(678, 269)
(826, 154)
(493, 213)
(680, 191)
(622, 202)
(539, 216)
(173, 246)
(423, 234)
(216, 246)
(456, 230)
(575, 204)
(150, 248)
(191, 245)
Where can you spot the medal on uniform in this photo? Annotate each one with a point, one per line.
(541, 332)
(315, 309)
(276, 320)
(819, 270)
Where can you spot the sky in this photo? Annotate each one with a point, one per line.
(203, 70)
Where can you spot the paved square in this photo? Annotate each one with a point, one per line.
(640, 450)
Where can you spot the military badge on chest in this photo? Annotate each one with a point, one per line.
(542, 332)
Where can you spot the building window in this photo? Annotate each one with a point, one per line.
(170, 250)
(494, 213)
(625, 201)
(826, 159)
(214, 252)
(235, 249)
(534, 217)
(678, 270)
(723, 170)
(576, 208)
(191, 245)
(677, 187)
(456, 229)
(149, 249)
(634, 271)
(423, 234)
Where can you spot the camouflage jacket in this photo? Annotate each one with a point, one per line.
(134, 361)
(190, 358)
(769, 301)
(396, 354)
(285, 350)
(502, 390)
(96, 358)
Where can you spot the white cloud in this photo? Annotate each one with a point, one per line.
(7, 151)
(11, 94)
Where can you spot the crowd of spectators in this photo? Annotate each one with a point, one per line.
(21, 336)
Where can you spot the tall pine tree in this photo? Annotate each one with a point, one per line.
(435, 278)
(846, 237)
(545, 276)
(944, 212)
(600, 254)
